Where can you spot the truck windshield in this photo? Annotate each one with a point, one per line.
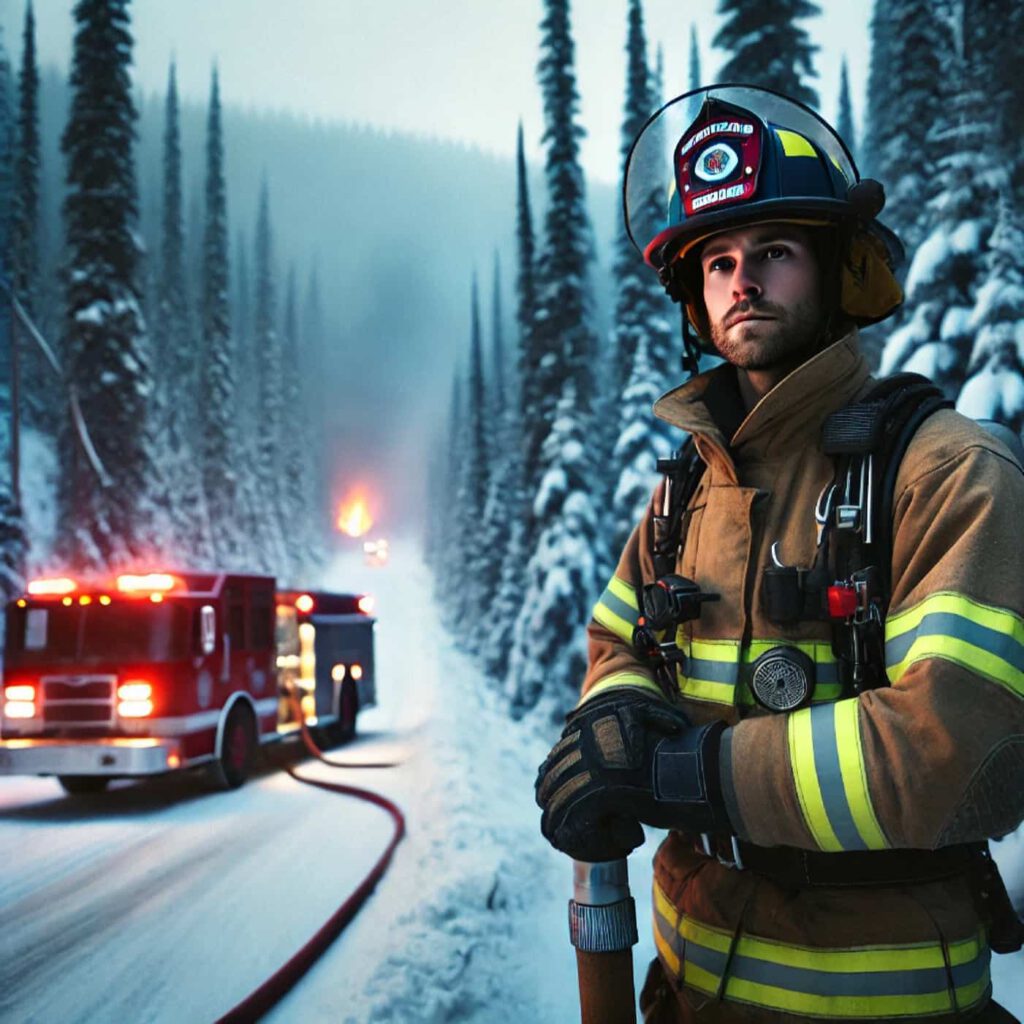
(117, 632)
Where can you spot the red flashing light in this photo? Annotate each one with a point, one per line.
(842, 601)
(153, 582)
(53, 586)
(304, 603)
(365, 604)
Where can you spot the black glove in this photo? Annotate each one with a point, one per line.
(627, 757)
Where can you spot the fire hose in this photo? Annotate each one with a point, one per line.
(602, 927)
(262, 999)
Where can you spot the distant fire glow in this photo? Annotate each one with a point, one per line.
(354, 517)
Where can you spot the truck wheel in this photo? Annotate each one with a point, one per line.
(81, 785)
(238, 749)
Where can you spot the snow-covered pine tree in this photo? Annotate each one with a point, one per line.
(642, 338)
(315, 336)
(503, 511)
(494, 520)
(295, 445)
(529, 353)
(549, 647)
(472, 492)
(844, 119)
(935, 337)
(911, 54)
(448, 567)
(563, 575)
(12, 527)
(241, 323)
(767, 46)
(565, 336)
(175, 355)
(106, 350)
(219, 450)
(269, 368)
(39, 386)
(695, 79)
(995, 388)
(523, 379)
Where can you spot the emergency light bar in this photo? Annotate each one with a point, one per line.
(154, 582)
(53, 586)
(365, 604)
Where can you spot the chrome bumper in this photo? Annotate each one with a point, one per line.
(77, 757)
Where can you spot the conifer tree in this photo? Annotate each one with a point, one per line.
(241, 320)
(39, 387)
(175, 355)
(768, 46)
(642, 340)
(106, 349)
(12, 531)
(219, 448)
(995, 388)
(320, 400)
(844, 119)
(695, 77)
(448, 570)
(269, 370)
(565, 333)
(935, 337)
(529, 351)
(912, 52)
(472, 493)
(563, 575)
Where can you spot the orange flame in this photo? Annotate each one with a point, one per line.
(354, 517)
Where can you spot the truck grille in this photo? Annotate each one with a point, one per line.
(78, 700)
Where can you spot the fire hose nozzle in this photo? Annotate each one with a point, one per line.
(602, 913)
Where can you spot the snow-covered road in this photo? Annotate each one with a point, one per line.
(165, 902)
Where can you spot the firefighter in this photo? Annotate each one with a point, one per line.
(830, 721)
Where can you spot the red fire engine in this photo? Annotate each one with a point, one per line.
(159, 671)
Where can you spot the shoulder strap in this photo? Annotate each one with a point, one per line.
(868, 439)
(682, 474)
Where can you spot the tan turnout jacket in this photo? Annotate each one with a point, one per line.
(936, 758)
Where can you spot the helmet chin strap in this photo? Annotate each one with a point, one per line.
(691, 353)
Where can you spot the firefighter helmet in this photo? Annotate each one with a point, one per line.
(729, 156)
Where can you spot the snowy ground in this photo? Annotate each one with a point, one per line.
(164, 902)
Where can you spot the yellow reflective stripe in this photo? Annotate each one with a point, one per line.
(665, 951)
(854, 774)
(805, 776)
(713, 670)
(981, 638)
(794, 144)
(613, 623)
(885, 981)
(624, 592)
(619, 679)
(617, 609)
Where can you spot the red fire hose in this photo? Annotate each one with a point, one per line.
(276, 987)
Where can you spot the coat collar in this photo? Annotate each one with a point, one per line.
(790, 415)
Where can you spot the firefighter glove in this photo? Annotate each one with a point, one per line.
(627, 757)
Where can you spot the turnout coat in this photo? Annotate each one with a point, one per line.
(934, 759)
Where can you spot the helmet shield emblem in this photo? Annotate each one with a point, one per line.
(718, 162)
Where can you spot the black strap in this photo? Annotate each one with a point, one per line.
(800, 869)
(682, 475)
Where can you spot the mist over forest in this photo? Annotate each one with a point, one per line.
(395, 226)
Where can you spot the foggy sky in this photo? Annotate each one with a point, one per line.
(462, 69)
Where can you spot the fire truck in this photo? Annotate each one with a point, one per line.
(154, 672)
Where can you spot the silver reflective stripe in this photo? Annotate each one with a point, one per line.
(615, 604)
(830, 777)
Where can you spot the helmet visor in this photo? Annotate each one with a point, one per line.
(650, 180)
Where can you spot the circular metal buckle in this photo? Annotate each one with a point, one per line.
(782, 679)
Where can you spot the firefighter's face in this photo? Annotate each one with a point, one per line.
(762, 292)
